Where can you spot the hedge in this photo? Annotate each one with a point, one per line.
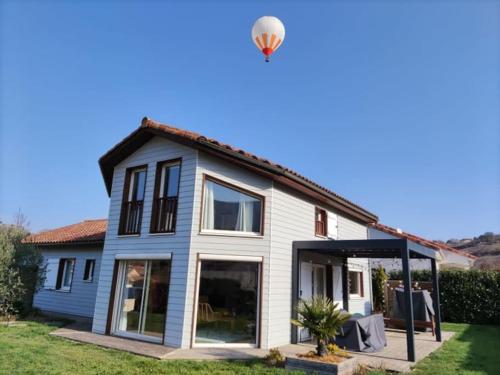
(471, 296)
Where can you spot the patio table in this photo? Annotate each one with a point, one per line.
(363, 334)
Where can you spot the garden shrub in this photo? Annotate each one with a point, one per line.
(471, 296)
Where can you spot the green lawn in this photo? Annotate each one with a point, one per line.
(30, 350)
(475, 349)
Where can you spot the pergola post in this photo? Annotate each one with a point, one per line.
(345, 284)
(295, 291)
(435, 299)
(410, 330)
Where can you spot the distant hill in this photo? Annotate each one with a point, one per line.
(485, 246)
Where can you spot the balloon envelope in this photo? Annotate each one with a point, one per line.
(268, 34)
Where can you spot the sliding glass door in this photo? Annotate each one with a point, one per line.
(228, 298)
(141, 304)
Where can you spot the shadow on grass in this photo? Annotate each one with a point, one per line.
(482, 345)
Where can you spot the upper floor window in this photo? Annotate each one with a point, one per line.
(321, 222)
(88, 274)
(231, 209)
(133, 201)
(164, 215)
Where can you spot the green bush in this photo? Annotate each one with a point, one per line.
(471, 296)
(21, 271)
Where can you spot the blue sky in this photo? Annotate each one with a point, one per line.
(394, 105)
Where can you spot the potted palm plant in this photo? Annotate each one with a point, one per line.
(322, 318)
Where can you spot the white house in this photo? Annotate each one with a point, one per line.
(198, 246)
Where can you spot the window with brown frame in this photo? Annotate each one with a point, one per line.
(321, 224)
(88, 273)
(65, 274)
(356, 283)
(230, 209)
(166, 196)
(133, 201)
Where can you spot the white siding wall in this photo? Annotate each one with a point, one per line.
(157, 149)
(226, 245)
(80, 300)
(293, 219)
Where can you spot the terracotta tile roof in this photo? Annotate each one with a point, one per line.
(88, 231)
(148, 123)
(420, 240)
(284, 174)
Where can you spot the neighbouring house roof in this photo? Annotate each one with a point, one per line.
(85, 232)
(420, 240)
(278, 173)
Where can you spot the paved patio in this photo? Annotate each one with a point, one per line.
(392, 358)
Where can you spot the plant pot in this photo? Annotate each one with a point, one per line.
(346, 367)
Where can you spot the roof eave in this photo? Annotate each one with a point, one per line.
(144, 133)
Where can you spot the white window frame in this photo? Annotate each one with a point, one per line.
(66, 262)
(117, 302)
(91, 270)
(231, 258)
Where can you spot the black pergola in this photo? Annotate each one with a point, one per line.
(389, 248)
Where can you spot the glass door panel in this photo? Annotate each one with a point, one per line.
(131, 300)
(143, 300)
(319, 280)
(227, 303)
(157, 295)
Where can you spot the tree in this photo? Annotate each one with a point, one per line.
(322, 318)
(11, 290)
(21, 270)
(379, 278)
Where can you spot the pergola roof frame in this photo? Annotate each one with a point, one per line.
(386, 248)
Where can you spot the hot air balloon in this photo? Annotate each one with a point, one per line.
(268, 33)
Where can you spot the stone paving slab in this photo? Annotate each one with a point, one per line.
(112, 342)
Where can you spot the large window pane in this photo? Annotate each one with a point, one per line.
(156, 305)
(143, 303)
(171, 181)
(132, 296)
(229, 209)
(227, 303)
(139, 185)
(67, 276)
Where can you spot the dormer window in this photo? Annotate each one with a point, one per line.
(133, 201)
(321, 222)
(164, 215)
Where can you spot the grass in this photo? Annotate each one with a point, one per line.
(30, 349)
(475, 349)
